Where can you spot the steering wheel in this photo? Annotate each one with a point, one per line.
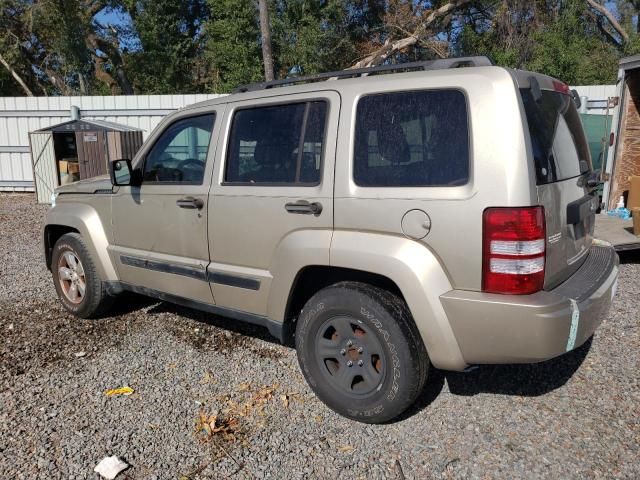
(191, 161)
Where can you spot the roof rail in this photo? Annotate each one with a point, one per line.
(439, 64)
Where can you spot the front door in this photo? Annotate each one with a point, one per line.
(272, 196)
(160, 228)
(92, 153)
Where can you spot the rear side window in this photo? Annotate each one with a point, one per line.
(559, 146)
(411, 139)
(279, 144)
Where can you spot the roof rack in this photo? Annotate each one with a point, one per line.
(439, 64)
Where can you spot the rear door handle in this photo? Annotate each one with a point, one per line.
(190, 202)
(303, 207)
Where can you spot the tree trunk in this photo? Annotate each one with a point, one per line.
(15, 75)
(265, 31)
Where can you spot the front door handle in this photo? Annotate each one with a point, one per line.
(303, 207)
(190, 202)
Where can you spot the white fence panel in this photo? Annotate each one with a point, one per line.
(21, 115)
(597, 96)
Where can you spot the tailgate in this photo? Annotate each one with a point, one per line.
(562, 161)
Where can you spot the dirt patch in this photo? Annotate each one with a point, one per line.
(43, 333)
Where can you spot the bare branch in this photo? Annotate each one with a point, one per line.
(17, 77)
(612, 20)
(601, 28)
(389, 47)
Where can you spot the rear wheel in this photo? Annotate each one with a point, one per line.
(360, 351)
(79, 287)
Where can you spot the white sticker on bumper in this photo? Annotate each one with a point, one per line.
(575, 321)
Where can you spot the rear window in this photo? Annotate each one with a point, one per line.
(560, 148)
(411, 139)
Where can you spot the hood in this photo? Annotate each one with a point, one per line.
(90, 185)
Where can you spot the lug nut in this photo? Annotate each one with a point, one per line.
(349, 363)
(349, 343)
(343, 352)
(360, 363)
(360, 349)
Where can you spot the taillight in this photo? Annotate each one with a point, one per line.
(513, 250)
(561, 87)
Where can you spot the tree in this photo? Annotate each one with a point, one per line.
(232, 44)
(265, 33)
(418, 24)
(170, 41)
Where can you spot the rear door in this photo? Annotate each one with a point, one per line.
(562, 165)
(272, 194)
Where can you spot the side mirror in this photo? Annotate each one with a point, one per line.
(122, 173)
(576, 98)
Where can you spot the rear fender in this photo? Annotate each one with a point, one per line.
(419, 276)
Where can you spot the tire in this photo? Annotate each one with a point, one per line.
(373, 329)
(93, 300)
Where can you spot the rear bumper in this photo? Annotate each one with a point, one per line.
(491, 328)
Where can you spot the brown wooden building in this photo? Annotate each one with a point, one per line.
(624, 153)
(76, 150)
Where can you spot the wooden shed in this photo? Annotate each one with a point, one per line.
(624, 150)
(76, 150)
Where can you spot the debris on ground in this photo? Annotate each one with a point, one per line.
(119, 391)
(110, 467)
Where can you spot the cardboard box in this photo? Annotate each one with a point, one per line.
(63, 166)
(634, 192)
(74, 167)
(67, 178)
(636, 220)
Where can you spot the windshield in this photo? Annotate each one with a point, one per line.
(560, 148)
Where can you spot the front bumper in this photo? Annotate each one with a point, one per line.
(492, 328)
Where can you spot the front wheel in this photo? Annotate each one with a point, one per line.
(360, 351)
(79, 287)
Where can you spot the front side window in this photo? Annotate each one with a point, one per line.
(410, 139)
(279, 144)
(180, 154)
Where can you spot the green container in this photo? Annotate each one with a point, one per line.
(597, 128)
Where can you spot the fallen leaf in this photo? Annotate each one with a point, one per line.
(285, 400)
(318, 418)
(119, 391)
(346, 448)
(243, 387)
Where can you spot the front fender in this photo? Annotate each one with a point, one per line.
(419, 276)
(85, 219)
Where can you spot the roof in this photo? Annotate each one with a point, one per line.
(88, 125)
(630, 63)
(342, 84)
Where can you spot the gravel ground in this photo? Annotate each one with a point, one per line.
(573, 417)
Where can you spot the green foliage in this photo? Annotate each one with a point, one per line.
(164, 46)
(572, 52)
(314, 36)
(232, 47)
(565, 44)
(170, 37)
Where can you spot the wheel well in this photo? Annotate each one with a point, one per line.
(51, 235)
(314, 278)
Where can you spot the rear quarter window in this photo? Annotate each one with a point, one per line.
(559, 147)
(411, 139)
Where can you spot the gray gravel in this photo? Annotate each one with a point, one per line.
(574, 417)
